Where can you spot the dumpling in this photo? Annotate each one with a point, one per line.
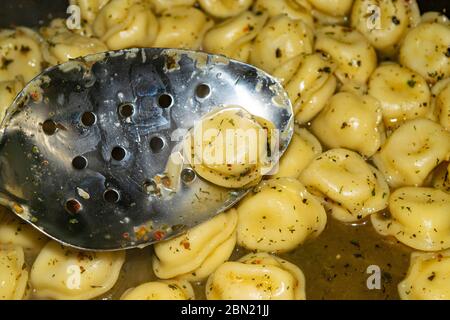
(229, 147)
(21, 56)
(8, 91)
(309, 82)
(256, 276)
(225, 8)
(162, 5)
(412, 151)
(89, 8)
(303, 147)
(64, 273)
(281, 39)
(292, 8)
(233, 37)
(182, 27)
(126, 24)
(441, 102)
(403, 94)
(350, 121)
(441, 177)
(13, 273)
(196, 254)
(419, 217)
(333, 7)
(426, 51)
(65, 45)
(161, 290)
(347, 186)
(14, 231)
(384, 23)
(278, 216)
(428, 277)
(355, 56)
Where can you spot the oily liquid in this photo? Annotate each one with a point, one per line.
(335, 264)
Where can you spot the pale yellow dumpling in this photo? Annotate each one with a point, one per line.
(403, 94)
(292, 8)
(13, 273)
(355, 56)
(309, 82)
(256, 276)
(278, 216)
(14, 231)
(65, 44)
(162, 5)
(281, 39)
(441, 102)
(233, 37)
(182, 27)
(419, 217)
(225, 8)
(21, 56)
(412, 151)
(428, 277)
(229, 147)
(126, 24)
(347, 186)
(196, 254)
(441, 177)
(8, 91)
(303, 147)
(384, 23)
(161, 290)
(89, 8)
(64, 273)
(350, 121)
(333, 7)
(425, 50)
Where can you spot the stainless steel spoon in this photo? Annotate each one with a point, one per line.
(84, 146)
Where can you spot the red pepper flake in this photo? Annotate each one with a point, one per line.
(186, 244)
(35, 96)
(257, 261)
(125, 235)
(159, 235)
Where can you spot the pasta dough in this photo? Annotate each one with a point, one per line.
(19, 233)
(281, 39)
(233, 37)
(292, 8)
(428, 277)
(225, 8)
(161, 290)
(441, 102)
(278, 216)
(8, 91)
(182, 27)
(64, 273)
(355, 57)
(441, 177)
(126, 24)
(65, 45)
(384, 23)
(350, 121)
(229, 147)
(301, 150)
(426, 51)
(403, 94)
(412, 151)
(333, 7)
(89, 8)
(258, 276)
(20, 51)
(13, 273)
(419, 217)
(163, 5)
(349, 187)
(196, 254)
(309, 82)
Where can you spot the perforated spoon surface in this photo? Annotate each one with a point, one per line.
(85, 145)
